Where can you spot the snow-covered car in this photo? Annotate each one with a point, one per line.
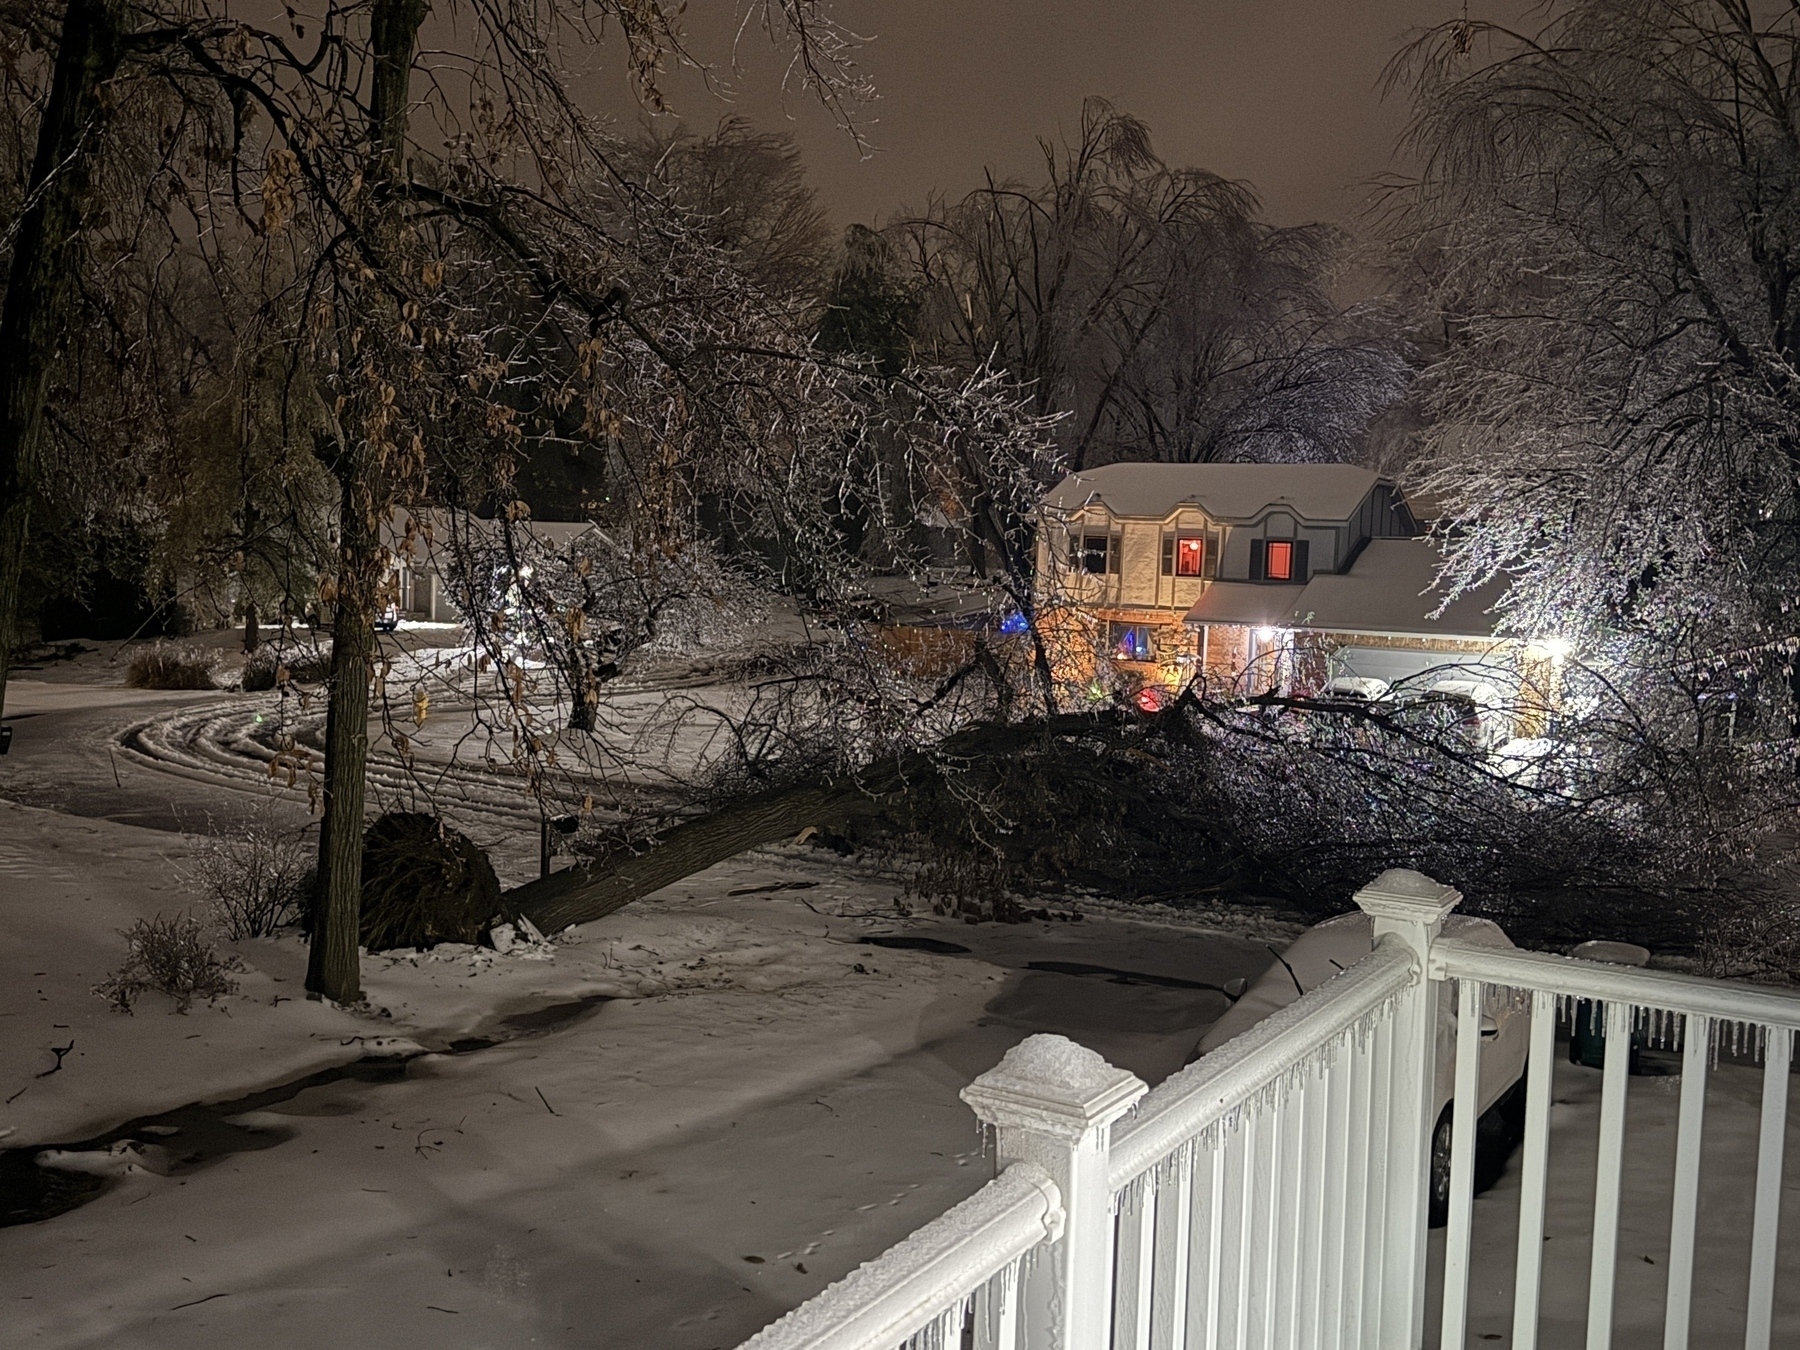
(1473, 708)
(1337, 944)
(1356, 689)
(389, 618)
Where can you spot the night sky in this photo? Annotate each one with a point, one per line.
(1283, 93)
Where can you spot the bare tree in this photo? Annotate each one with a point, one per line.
(1149, 304)
(1604, 221)
(45, 246)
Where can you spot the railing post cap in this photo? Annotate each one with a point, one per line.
(1403, 894)
(1050, 1085)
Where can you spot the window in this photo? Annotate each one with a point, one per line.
(1281, 560)
(1183, 555)
(1189, 553)
(1278, 559)
(1131, 642)
(1094, 554)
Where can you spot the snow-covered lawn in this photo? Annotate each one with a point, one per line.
(760, 1103)
(693, 1115)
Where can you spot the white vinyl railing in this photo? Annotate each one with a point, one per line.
(1272, 1195)
(1679, 1010)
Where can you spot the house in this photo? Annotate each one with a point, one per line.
(1253, 576)
(420, 544)
(1127, 551)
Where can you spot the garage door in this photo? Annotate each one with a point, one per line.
(1392, 664)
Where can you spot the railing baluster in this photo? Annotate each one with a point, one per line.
(1696, 1041)
(1173, 1265)
(1290, 1203)
(1466, 1107)
(1243, 1229)
(1381, 1096)
(1205, 1315)
(1132, 1265)
(1347, 1314)
(1539, 1074)
(1613, 1082)
(1260, 1226)
(1765, 1227)
(1325, 1189)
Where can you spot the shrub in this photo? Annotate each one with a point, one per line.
(424, 883)
(170, 665)
(168, 956)
(256, 883)
(264, 668)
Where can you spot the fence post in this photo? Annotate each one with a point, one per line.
(1410, 908)
(1052, 1102)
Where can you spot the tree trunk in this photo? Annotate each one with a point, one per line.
(252, 627)
(333, 970)
(332, 967)
(40, 290)
(582, 894)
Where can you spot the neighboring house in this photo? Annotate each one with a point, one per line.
(420, 544)
(1259, 576)
(1127, 551)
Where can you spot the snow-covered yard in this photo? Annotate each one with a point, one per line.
(696, 1113)
(680, 1122)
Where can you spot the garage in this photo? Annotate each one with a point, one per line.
(1394, 664)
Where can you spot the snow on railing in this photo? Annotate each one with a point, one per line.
(1274, 1193)
(960, 1270)
(1700, 1016)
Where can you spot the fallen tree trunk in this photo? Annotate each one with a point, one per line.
(582, 894)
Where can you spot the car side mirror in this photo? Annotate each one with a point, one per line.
(1489, 1028)
(1234, 989)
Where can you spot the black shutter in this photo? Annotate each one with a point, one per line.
(1168, 561)
(1113, 543)
(1258, 550)
(1074, 552)
(1301, 547)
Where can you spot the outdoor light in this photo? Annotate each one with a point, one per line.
(1267, 634)
(1557, 649)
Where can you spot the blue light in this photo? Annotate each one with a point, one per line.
(1014, 623)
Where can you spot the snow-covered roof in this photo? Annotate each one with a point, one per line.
(1230, 492)
(557, 534)
(1392, 588)
(1250, 603)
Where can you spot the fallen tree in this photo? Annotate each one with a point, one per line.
(1283, 804)
(1077, 798)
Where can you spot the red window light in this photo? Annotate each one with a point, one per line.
(1189, 554)
(1280, 560)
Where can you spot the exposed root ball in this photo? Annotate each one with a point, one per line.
(423, 883)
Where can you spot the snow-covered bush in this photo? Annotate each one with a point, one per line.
(170, 956)
(269, 666)
(170, 665)
(257, 882)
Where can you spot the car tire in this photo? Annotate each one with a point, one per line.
(1498, 1131)
(1438, 1172)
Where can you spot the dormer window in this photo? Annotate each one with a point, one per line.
(1278, 560)
(1281, 560)
(1183, 555)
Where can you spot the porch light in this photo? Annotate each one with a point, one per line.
(1557, 649)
